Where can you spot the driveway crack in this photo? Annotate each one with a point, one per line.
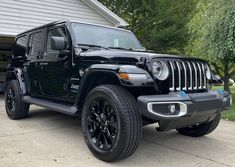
(185, 152)
(37, 131)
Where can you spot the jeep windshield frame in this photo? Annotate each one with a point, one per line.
(104, 36)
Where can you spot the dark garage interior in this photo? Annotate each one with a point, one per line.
(6, 44)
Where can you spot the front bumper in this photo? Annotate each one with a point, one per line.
(177, 110)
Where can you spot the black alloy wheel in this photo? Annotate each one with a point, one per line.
(111, 123)
(102, 124)
(15, 107)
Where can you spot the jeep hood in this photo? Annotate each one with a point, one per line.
(125, 56)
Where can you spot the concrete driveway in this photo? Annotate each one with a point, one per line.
(51, 139)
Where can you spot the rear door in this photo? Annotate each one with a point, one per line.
(32, 66)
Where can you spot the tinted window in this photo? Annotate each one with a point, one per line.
(57, 32)
(35, 41)
(19, 48)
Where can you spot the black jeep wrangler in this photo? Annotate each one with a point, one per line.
(106, 76)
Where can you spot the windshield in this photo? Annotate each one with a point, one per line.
(104, 36)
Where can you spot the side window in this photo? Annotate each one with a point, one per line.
(57, 32)
(35, 41)
(19, 49)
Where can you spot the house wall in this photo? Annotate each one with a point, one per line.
(19, 15)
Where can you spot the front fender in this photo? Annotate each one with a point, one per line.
(99, 74)
(136, 75)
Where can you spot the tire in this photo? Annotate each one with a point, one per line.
(15, 107)
(120, 110)
(201, 130)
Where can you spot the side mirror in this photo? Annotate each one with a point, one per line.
(58, 43)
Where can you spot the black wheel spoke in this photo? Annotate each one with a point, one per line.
(110, 136)
(106, 144)
(91, 120)
(97, 140)
(98, 105)
(113, 124)
(106, 108)
(95, 132)
(110, 113)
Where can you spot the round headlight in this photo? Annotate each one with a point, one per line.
(208, 72)
(160, 70)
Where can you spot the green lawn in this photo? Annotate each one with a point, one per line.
(230, 114)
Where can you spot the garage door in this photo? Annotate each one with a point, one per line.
(6, 44)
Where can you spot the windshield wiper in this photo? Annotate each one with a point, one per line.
(131, 49)
(93, 46)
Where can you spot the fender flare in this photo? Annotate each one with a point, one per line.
(17, 74)
(86, 83)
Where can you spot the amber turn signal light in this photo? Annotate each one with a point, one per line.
(123, 76)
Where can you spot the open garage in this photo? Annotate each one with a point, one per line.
(5, 53)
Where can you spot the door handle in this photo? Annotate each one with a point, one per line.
(43, 64)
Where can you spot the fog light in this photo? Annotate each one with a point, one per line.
(172, 108)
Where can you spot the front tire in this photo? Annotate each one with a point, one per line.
(202, 129)
(111, 123)
(15, 107)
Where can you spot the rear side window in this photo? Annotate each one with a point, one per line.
(35, 45)
(19, 49)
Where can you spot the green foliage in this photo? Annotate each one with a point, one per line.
(221, 39)
(159, 24)
(167, 32)
(212, 36)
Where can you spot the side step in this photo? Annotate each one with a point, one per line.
(65, 109)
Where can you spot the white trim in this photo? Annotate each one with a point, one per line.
(94, 24)
(104, 11)
(8, 34)
(183, 109)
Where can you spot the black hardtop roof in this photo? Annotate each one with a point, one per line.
(43, 26)
(65, 21)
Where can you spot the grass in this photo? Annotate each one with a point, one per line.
(230, 114)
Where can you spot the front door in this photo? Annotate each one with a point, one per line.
(56, 67)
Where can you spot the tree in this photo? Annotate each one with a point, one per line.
(213, 36)
(221, 44)
(160, 25)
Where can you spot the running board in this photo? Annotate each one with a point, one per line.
(65, 109)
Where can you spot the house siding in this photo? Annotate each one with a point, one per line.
(19, 15)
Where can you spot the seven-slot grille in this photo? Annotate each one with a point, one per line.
(187, 75)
